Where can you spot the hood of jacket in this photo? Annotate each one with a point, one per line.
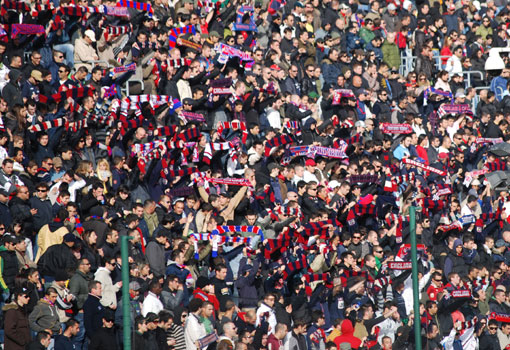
(14, 75)
(346, 327)
(10, 306)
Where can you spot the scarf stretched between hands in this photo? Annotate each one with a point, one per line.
(484, 140)
(215, 240)
(127, 68)
(228, 181)
(117, 30)
(453, 109)
(329, 152)
(14, 5)
(278, 141)
(218, 146)
(74, 93)
(227, 52)
(234, 125)
(80, 11)
(27, 29)
(74, 126)
(143, 6)
(396, 128)
(178, 63)
(432, 90)
(423, 166)
(172, 38)
(193, 116)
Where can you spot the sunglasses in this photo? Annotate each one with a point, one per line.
(493, 328)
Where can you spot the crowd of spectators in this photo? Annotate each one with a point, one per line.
(261, 159)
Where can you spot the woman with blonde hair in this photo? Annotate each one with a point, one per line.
(104, 174)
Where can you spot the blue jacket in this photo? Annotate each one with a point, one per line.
(245, 284)
(330, 71)
(498, 86)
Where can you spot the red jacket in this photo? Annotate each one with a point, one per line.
(432, 292)
(200, 294)
(274, 343)
(347, 335)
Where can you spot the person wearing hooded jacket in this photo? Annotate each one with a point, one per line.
(51, 234)
(16, 327)
(454, 262)
(245, 284)
(12, 91)
(347, 335)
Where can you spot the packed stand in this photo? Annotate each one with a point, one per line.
(262, 160)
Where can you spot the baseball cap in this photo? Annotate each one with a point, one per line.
(335, 35)
(360, 123)
(392, 7)
(90, 33)
(275, 67)
(37, 75)
(134, 285)
(443, 155)
(310, 162)
(57, 162)
(4, 192)
(21, 291)
(460, 93)
(333, 184)
(10, 239)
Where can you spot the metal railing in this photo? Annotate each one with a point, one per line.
(407, 63)
(102, 63)
(132, 81)
(469, 73)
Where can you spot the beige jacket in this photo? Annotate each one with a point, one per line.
(47, 238)
(84, 52)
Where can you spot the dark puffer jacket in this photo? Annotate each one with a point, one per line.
(16, 326)
(10, 267)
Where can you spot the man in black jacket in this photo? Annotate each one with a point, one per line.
(21, 210)
(12, 91)
(41, 342)
(92, 199)
(58, 257)
(489, 338)
(105, 338)
(5, 214)
(93, 311)
(63, 341)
